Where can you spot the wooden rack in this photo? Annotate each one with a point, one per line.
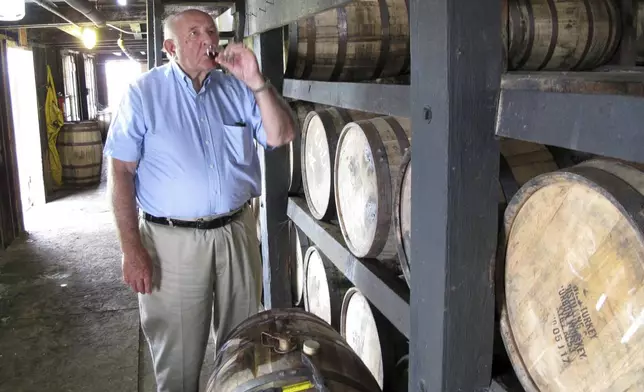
(460, 100)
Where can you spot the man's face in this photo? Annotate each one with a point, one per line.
(195, 32)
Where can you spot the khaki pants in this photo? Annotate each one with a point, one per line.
(197, 274)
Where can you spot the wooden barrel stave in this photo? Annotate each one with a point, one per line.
(367, 164)
(325, 287)
(300, 109)
(574, 249)
(562, 35)
(402, 216)
(372, 337)
(80, 147)
(360, 41)
(248, 358)
(301, 245)
(524, 161)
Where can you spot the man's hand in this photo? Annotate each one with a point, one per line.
(137, 270)
(242, 63)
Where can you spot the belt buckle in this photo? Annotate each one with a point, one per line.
(200, 223)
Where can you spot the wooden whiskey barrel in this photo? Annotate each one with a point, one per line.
(300, 109)
(269, 350)
(520, 162)
(367, 163)
(525, 160)
(563, 34)
(362, 40)
(402, 216)
(325, 287)
(301, 245)
(571, 309)
(80, 146)
(320, 135)
(371, 336)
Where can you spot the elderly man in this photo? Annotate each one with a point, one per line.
(181, 149)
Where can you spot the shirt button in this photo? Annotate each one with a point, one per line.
(207, 142)
(212, 166)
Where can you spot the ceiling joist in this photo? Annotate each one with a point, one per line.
(37, 17)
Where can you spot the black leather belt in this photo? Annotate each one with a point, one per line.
(197, 224)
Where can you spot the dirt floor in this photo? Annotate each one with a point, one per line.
(67, 321)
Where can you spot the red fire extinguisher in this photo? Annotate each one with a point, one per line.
(61, 103)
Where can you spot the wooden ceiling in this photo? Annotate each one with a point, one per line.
(43, 26)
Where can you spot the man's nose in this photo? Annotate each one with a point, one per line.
(208, 40)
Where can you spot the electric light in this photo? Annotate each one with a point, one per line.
(89, 37)
(122, 2)
(11, 10)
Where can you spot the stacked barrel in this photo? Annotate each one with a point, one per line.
(369, 39)
(573, 231)
(329, 134)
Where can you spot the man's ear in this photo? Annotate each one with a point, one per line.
(169, 47)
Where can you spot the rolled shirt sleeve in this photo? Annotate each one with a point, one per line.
(255, 119)
(126, 133)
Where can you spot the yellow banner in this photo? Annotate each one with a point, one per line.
(54, 119)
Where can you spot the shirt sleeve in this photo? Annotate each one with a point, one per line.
(125, 135)
(255, 120)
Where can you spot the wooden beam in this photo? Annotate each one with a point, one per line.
(62, 39)
(158, 10)
(599, 113)
(456, 69)
(37, 17)
(103, 57)
(274, 199)
(263, 16)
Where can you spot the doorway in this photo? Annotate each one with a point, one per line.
(24, 106)
(119, 74)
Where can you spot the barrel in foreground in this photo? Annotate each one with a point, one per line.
(288, 348)
(572, 304)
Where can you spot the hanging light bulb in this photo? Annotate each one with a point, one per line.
(89, 37)
(122, 2)
(11, 10)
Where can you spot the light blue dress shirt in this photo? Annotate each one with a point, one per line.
(195, 151)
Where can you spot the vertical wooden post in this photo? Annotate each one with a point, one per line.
(240, 20)
(158, 33)
(455, 77)
(275, 243)
(154, 13)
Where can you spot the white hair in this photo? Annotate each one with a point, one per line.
(168, 21)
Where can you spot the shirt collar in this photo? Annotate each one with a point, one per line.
(181, 76)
